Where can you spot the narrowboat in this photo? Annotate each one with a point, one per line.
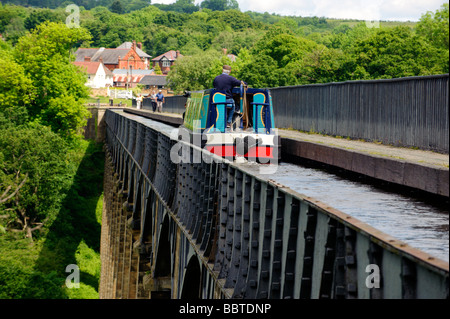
(252, 134)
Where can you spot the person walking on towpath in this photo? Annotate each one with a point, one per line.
(159, 101)
(139, 100)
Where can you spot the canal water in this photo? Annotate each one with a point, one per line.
(420, 222)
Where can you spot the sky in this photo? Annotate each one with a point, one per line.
(372, 10)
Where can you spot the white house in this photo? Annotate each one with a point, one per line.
(99, 76)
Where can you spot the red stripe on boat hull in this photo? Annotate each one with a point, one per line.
(230, 151)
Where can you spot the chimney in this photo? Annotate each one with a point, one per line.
(139, 45)
(87, 59)
(177, 54)
(224, 51)
(133, 46)
(100, 60)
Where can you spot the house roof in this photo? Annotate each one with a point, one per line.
(83, 52)
(134, 71)
(157, 80)
(92, 67)
(123, 78)
(171, 55)
(128, 45)
(109, 56)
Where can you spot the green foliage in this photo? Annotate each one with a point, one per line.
(16, 91)
(323, 65)
(37, 269)
(35, 165)
(116, 7)
(196, 72)
(435, 27)
(50, 179)
(157, 69)
(289, 50)
(186, 6)
(398, 52)
(8, 13)
(60, 90)
(39, 16)
(127, 5)
(272, 58)
(219, 5)
(19, 279)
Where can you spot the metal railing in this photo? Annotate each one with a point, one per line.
(407, 112)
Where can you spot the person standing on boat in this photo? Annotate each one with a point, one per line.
(226, 82)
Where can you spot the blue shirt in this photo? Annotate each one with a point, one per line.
(225, 82)
(159, 97)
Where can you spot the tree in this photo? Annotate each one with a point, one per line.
(435, 27)
(45, 55)
(398, 52)
(260, 72)
(158, 69)
(273, 59)
(234, 18)
(9, 13)
(39, 16)
(322, 65)
(196, 72)
(282, 47)
(16, 91)
(116, 7)
(15, 29)
(32, 176)
(219, 5)
(186, 6)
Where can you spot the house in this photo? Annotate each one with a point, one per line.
(138, 47)
(99, 76)
(166, 60)
(118, 58)
(154, 81)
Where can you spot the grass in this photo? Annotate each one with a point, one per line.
(105, 100)
(37, 269)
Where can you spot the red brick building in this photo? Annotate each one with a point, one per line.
(166, 60)
(118, 58)
(130, 60)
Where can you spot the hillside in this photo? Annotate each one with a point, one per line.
(271, 50)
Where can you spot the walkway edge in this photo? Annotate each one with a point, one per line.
(426, 178)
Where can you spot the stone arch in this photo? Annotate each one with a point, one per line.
(163, 264)
(138, 201)
(192, 277)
